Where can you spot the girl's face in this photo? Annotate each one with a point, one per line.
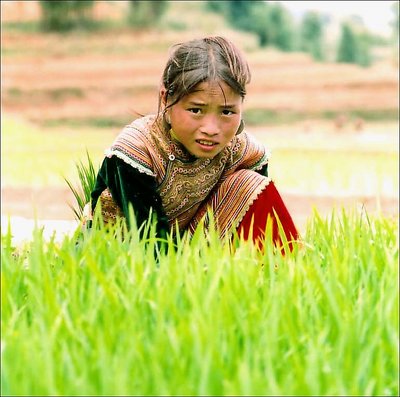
(206, 120)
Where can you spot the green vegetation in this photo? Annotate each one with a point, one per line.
(365, 114)
(259, 116)
(61, 16)
(271, 23)
(353, 47)
(87, 174)
(274, 26)
(65, 15)
(103, 317)
(145, 14)
(396, 20)
(56, 95)
(311, 35)
(87, 122)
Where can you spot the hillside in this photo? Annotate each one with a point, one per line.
(103, 77)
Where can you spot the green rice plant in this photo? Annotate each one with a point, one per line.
(87, 179)
(100, 314)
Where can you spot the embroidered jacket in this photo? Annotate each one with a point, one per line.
(145, 167)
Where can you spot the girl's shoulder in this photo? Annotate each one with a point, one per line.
(248, 152)
(140, 128)
(246, 141)
(137, 134)
(132, 145)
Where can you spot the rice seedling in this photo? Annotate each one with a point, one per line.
(104, 313)
(87, 179)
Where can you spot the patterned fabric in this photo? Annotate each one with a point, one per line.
(231, 201)
(189, 185)
(109, 209)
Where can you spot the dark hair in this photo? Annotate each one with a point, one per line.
(207, 59)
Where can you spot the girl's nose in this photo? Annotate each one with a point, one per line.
(210, 126)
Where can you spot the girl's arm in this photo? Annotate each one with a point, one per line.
(129, 186)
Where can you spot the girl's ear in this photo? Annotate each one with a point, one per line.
(163, 95)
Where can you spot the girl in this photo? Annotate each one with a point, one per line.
(194, 155)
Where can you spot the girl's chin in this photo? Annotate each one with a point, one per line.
(202, 155)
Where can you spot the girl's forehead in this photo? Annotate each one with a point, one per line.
(213, 88)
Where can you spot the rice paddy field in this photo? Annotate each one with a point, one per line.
(112, 312)
(96, 314)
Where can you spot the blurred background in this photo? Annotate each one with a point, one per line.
(324, 95)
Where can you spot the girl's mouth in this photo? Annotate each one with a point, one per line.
(206, 143)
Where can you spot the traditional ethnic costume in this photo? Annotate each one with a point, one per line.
(147, 168)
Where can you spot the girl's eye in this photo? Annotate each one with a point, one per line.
(227, 112)
(195, 110)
